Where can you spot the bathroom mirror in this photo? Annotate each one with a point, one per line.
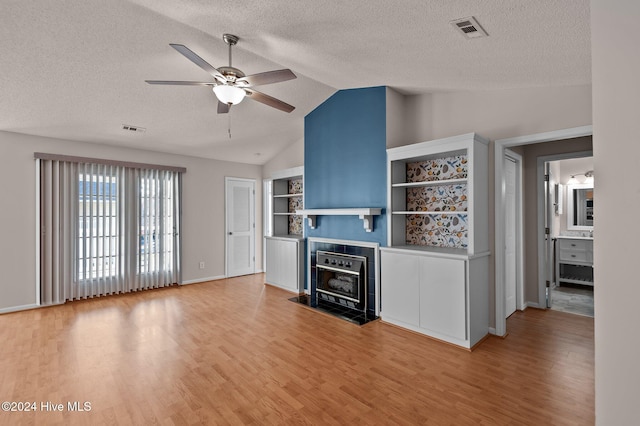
(580, 207)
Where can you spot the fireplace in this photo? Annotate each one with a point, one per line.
(341, 279)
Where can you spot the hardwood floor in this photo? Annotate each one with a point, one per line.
(238, 352)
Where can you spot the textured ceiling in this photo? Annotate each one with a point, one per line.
(75, 69)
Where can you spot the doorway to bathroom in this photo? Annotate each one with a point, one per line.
(533, 266)
(569, 228)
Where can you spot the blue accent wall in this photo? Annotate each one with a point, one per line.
(345, 142)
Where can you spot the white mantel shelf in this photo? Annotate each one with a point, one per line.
(366, 214)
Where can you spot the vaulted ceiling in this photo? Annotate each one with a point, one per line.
(75, 69)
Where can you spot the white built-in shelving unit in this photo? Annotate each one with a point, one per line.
(284, 250)
(435, 270)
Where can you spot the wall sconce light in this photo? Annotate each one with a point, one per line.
(588, 178)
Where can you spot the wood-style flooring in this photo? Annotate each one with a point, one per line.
(236, 351)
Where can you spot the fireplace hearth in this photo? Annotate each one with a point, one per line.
(343, 279)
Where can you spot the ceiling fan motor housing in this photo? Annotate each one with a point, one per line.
(231, 73)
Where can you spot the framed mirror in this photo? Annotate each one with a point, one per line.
(580, 207)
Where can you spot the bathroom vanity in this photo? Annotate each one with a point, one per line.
(574, 260)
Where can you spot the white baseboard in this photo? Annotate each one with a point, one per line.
(202, 280)
(18, 308)
(219, 277)
(492, 330)
(532, 305)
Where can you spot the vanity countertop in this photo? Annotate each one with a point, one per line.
(570, 237)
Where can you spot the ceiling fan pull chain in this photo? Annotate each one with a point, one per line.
(229, 115)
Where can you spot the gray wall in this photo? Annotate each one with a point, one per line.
(616, 148)
(203, 233)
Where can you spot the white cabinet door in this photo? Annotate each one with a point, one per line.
(283, 263)
(443, 296)
(400, 288)
(289, 257)
(272, 274)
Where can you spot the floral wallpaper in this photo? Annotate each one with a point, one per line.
(295, 186)
(437, 198)
(295, 224)
(454, 167)
(295, 203)
(441, 230)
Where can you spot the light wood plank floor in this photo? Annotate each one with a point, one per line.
(238, 352)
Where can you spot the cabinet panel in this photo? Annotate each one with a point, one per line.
(284, 263)
(289, 263)
(400, 287)
(272, 273)
(575, 245)
(443, 296)
(574, 262)
(574, 256)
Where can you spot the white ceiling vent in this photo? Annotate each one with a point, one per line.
(469, 27)
(133, 128)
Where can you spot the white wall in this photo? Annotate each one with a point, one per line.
(498, 114)
(396, 118)
(290, 157)
(203, 233)
(616, 90)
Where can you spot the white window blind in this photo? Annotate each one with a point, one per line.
(107, 228)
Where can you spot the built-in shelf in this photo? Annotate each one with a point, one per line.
(366, 214)
(429, 183)
(433, 213)
(288, 195)
(284, 214)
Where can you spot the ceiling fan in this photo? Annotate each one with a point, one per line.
(231, 85)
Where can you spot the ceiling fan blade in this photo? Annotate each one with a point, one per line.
(182, 83)
(223, 108)
(268, 77)
(190, 55)
(269, 100)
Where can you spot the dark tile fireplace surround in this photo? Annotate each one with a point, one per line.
(337, 310)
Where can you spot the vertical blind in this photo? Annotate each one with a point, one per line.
(106, 228)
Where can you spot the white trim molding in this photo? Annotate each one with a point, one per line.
(18, 308)
(203, 280)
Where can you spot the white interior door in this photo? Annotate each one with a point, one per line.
(240, 221)
(510, 224)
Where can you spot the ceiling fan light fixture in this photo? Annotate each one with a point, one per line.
(229, 95)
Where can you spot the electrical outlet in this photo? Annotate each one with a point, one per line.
(201, 265)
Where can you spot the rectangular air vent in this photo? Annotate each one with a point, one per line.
(133, 128)
(469, 27)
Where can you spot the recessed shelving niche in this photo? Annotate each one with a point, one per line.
(431, 191)
(287, 198)
(435, 186)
